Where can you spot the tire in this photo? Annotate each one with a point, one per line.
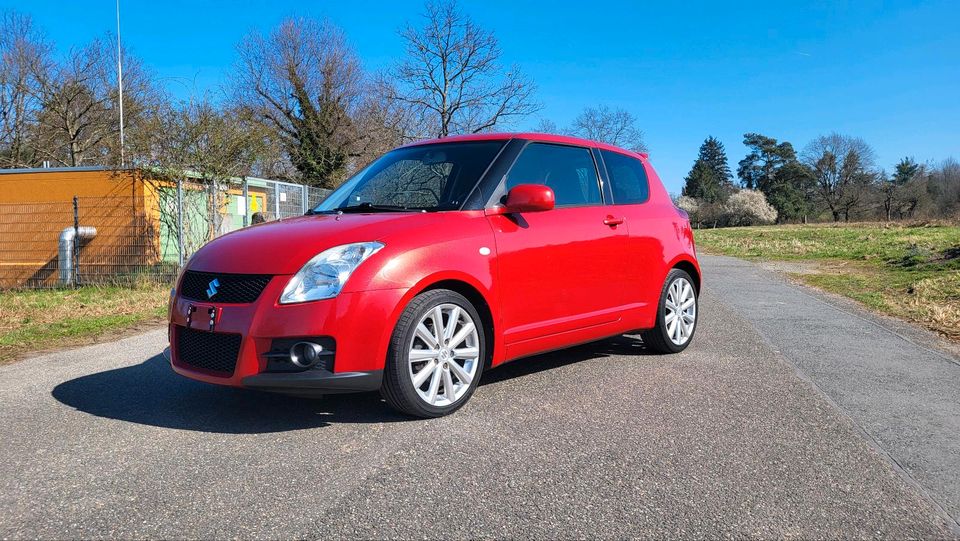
(664, 337)
(457, 366)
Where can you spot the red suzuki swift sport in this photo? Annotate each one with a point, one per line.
(439, 260)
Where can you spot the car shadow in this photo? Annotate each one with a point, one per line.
(619, 345)
(150, 393)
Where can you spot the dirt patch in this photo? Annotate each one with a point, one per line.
(950, 254)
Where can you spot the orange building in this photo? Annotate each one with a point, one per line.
(144, 228)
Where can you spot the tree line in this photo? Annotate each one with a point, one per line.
(298, 103)
(834, 177)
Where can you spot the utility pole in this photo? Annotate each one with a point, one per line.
(120, 81)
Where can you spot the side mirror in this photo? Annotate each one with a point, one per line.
(529, 198)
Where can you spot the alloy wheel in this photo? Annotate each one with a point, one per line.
(444, 354)
(680, 311)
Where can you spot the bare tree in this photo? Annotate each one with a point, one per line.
(546, 125)
(452, 79)
(614, 126)
(843, 168)
(202, 140)
(944, 186)
(78, 122)
(387, 123)
(23, 49)
(306, 83)
(207, 148)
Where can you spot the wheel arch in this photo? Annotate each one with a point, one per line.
(466, 285)
(479, 302)
(690, 268)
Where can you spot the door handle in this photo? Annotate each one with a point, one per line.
(612, 222)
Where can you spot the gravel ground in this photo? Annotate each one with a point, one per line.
(732, 438)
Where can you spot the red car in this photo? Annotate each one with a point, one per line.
(437, 261)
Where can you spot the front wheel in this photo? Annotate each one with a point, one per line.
(436, 355)
(676, 315)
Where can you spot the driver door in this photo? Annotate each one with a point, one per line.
(560, 271)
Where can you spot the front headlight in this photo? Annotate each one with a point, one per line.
(324, 276)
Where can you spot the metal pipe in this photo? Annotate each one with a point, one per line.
(180, 255)
(66, 247)
(216, 209)
(246, 202)
(76, 231)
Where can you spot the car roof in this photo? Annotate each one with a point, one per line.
(545, 137)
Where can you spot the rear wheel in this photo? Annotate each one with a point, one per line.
(676, 315)
(436, 355)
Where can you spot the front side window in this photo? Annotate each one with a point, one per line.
(427, 177)
(568, 170)
(628, 178)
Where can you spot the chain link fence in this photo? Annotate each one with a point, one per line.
(142, 236)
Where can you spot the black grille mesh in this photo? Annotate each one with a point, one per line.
(209, 350)
(233, 288)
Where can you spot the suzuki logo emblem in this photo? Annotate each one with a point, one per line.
(212, 287)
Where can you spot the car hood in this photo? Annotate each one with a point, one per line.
(284, 246)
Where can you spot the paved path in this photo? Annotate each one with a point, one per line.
(888, 376)
(742, 435)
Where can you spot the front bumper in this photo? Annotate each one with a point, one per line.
(308, 382)
(320, 381)
(359, 322)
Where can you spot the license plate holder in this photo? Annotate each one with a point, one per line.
(203, 317)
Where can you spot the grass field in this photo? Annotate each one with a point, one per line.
(35, 320)
(908, 271)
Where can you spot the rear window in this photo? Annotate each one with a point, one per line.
(628, 178)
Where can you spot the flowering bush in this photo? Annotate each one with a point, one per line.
(748, 207)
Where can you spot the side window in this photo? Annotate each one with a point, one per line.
(628, 178)
(568, 170)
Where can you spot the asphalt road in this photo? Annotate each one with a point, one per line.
(808, 418)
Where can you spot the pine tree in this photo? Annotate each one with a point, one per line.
(772, 167)
(715, 157)
(709, 180)
(701, 183)
(758, 169)
(904, 171)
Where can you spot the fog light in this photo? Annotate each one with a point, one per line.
(305, 354)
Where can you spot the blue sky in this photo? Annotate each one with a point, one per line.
(885, 71)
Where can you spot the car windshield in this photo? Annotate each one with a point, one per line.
(427, 177)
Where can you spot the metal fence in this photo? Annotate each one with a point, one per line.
(141, 235)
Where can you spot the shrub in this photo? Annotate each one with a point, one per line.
(688, 204)
(748, 207)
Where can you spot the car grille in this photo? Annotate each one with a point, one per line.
(212, 351)
(232, 288)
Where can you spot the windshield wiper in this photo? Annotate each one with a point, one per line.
(370, 207)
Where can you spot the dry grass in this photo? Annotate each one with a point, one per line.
(911, 271)
(35, 320)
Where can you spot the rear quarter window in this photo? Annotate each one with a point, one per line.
(628, 178)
